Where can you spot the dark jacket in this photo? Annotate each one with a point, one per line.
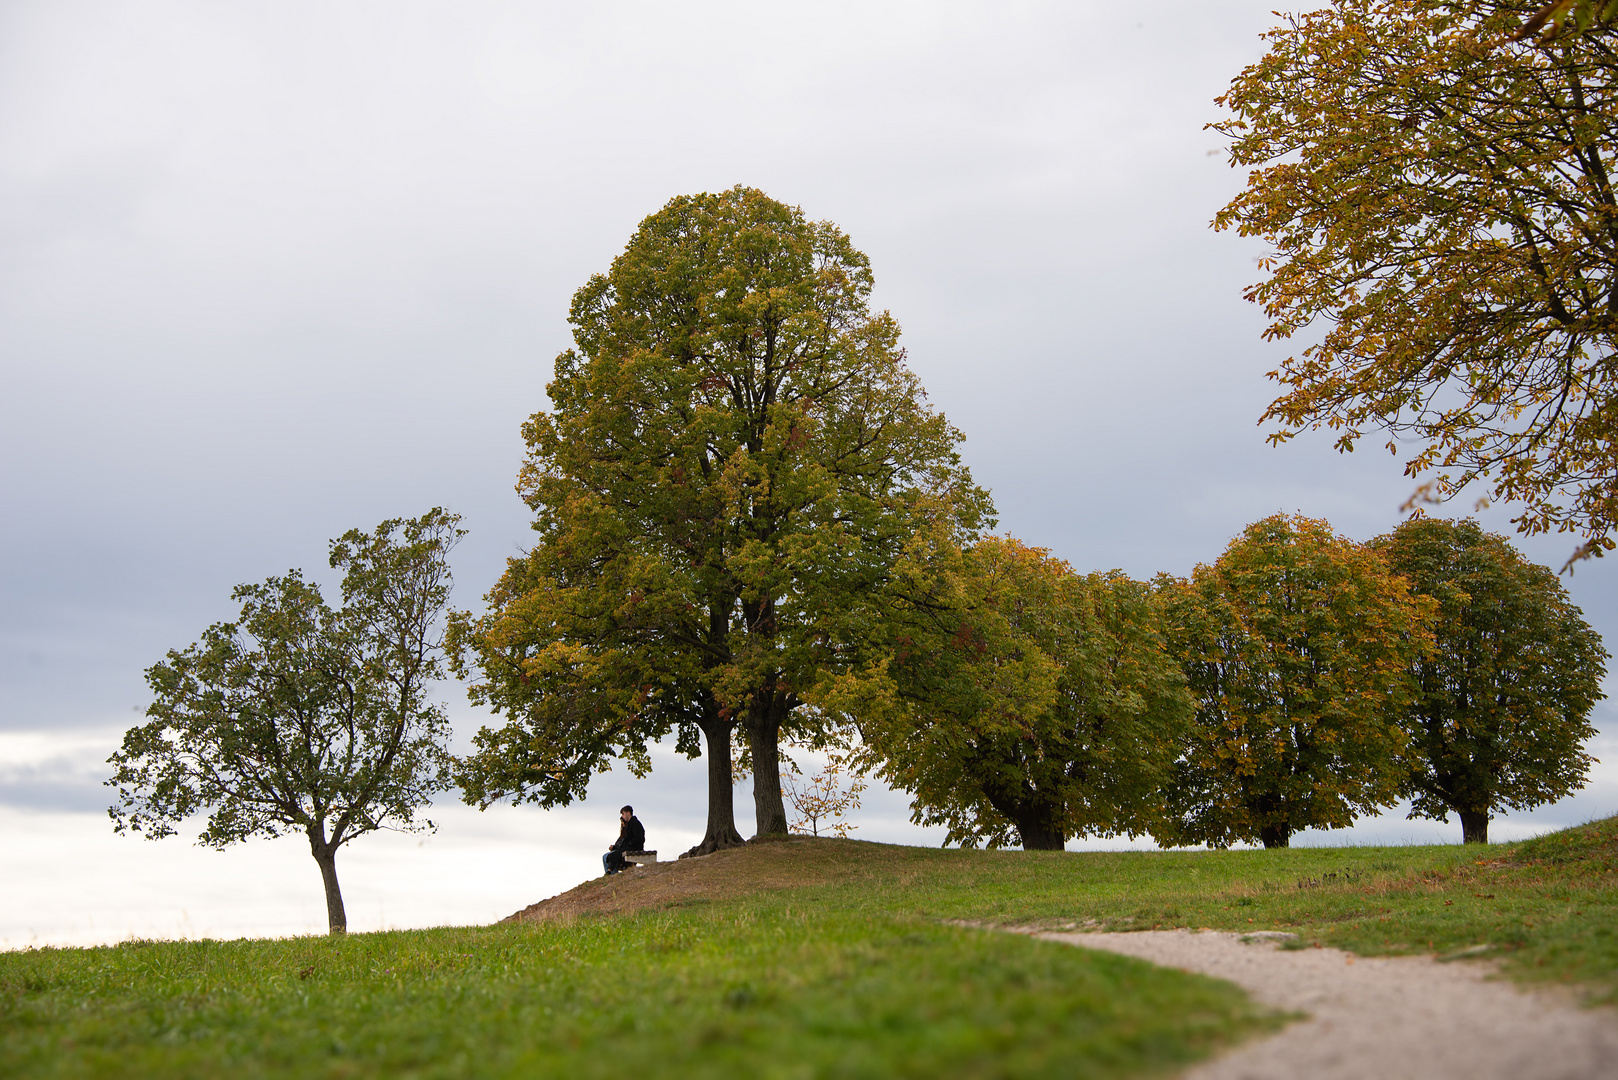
(631, 836)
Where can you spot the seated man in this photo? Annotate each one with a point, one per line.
(631, 837)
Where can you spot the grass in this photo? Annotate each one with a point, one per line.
(824, 958)
(1546, 909)
(767, 987)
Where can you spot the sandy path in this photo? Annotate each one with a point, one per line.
(1383, 1018)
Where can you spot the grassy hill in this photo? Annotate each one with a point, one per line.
(1546, 908)
(805, 958)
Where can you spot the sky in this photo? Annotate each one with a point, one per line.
(271, 271)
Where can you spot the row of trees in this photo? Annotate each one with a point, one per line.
(1298, 681)
(750, 522)
(736, 461)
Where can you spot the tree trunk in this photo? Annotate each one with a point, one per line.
(1037, 835)
(1275, 835)
(326, 857)
(1039, 822)
(721, 792)
(1474, 826)
(764, 740)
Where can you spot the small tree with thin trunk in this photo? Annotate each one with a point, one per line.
(820, 799)
(300, 718)
(1505, 698)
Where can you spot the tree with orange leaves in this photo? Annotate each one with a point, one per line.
(1436, 188)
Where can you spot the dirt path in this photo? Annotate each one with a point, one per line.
(1383, 1018)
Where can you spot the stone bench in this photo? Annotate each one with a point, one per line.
(640, 858)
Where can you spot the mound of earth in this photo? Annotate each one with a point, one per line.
(733, 872)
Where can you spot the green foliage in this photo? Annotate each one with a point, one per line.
(1038, 705)
(736, 457)
(1439, 203)
(1298, 645)
(298, 717)
(1506, 694)
(761, 988)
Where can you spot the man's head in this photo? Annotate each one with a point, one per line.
(626, 813)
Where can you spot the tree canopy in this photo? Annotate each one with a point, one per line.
(1298, 645)
(298, 717)
(1560, 17)
(1504, 698)
(735, 457)
(1035, 704)
(1439, 204)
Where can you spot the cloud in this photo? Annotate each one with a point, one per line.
(63, 774)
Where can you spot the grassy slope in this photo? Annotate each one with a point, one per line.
(1546, 908)
(760, 986)
(808, 959)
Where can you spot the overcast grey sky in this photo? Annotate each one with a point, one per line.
(272, 270)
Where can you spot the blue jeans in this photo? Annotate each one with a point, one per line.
(612, 862)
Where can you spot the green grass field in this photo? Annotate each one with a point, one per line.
(769, 988)
(825, 958)
(1547, 908)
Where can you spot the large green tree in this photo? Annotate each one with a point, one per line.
(1506, 695)
(1439, 203)
(1033, 704)
(300, 718)
(1298, 645)
(735, 457)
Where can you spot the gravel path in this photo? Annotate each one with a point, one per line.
(1382, 1018)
